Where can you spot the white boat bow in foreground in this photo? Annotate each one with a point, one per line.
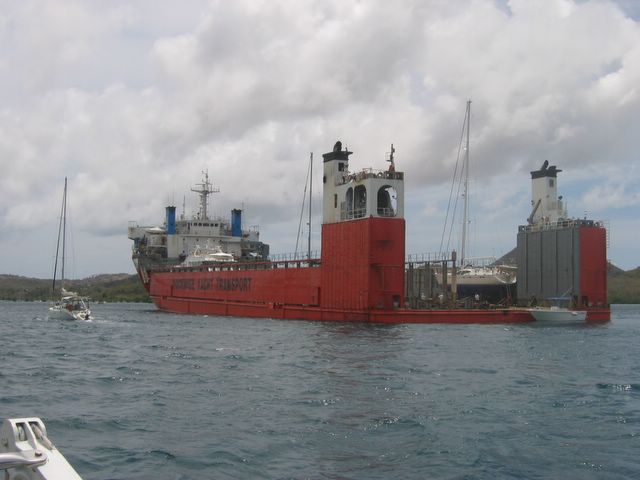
(26, 453)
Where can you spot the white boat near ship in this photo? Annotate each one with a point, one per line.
(70, 306)
(557, 315)
(558, 310)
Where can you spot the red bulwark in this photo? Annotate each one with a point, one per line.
(363, 264)
(593, 267)
(290, 286)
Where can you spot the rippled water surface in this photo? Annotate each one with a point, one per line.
(140, 394)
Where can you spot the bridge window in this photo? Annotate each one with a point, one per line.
(387, 201)
(359, 201)
(349, 203)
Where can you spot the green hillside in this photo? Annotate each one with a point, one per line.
(99, 288)
(624, 287)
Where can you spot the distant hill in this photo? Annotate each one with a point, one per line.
(120, 287)
(624, 287)
(509, 258)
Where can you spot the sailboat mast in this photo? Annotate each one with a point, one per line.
(310, 192)
(64, 229)
(62, 216)
(465, 218)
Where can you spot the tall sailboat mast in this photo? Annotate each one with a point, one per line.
(304, 199)
(465, 218)
(310, 192)
(62, 232)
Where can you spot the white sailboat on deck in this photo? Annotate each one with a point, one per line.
(207, 255)
(472, 279)
(70, 306)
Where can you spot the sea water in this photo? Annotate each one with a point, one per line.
(141, 394)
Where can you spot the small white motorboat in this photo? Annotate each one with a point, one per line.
(26, 453)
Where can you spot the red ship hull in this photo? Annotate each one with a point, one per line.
(203, 306)
(293, 312)
(596, 315)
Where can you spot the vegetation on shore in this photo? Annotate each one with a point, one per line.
(99, 288)
(624, 287)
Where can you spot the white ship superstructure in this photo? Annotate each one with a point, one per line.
(179, 238)
(547, 206)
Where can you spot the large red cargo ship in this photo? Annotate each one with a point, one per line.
(359, 277)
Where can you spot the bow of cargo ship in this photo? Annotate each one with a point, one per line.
(361, 274)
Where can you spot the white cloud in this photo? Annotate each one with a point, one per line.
(132, 101)
(608, 196)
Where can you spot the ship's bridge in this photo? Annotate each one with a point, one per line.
(380, 186)
(367, 193)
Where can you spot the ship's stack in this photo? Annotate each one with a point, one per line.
(560, 257)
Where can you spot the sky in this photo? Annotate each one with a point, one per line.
(133, 100)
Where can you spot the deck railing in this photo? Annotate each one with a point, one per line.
(542, 226)
(369, 173)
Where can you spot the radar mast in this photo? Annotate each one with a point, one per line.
(204, 189)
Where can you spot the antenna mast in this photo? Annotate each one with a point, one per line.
(392, 167)
(204, 190)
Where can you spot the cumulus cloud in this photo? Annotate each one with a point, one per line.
(132, 101)
(619, 191)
